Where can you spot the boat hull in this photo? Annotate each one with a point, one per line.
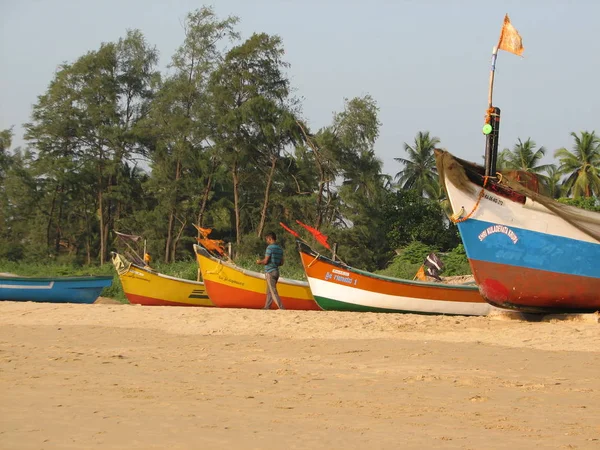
(149, 288)
(229, 286)
(53, 290)
(336, 287)
(525, 257)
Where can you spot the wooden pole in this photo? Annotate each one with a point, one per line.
(492, 73)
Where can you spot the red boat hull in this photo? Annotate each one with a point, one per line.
(533, 290)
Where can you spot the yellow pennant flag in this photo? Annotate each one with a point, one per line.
(510, 40)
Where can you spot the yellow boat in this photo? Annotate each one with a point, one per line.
(145, 286)
(230, 286)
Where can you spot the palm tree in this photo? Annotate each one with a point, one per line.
(552, 178)
(420, 172)
(582, 166)
(502, 160)
(363, 175)
(525, 157)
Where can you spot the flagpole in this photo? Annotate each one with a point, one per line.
(492, 120)
(492, 73)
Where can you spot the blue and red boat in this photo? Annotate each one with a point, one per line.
(53, 290)
(527, 252)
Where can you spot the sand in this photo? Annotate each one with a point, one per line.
(124, 376)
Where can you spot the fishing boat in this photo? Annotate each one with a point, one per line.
(230, 286)
(527, 252)
(53, 289)
(338, 287)
(145, 286)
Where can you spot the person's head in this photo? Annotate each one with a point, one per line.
(271, 238)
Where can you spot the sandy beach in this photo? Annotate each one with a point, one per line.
(123, 376)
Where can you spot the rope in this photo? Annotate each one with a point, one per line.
(459, 219)
(311, 263)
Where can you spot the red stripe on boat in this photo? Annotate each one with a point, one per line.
(533, 290)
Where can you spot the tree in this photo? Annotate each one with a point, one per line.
(86, 123)
(525, 157)
(5, 143)
(582, 165)
(249, 80)
(420, 172)
(410, 217)
(552, 177)
(279, 131)
(181, 124)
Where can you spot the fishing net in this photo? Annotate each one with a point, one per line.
(462, 173)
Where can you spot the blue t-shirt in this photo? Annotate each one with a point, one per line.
(275, 254)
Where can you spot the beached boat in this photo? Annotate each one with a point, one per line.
(527, 251)
(144, 286)
(338, 287)
(53, 289)
(230, 286)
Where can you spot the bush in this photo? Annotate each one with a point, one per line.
(456, 262)
(408, 260)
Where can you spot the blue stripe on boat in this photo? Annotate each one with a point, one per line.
(530, 249)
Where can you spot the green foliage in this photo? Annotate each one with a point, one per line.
(416, 252)
(525, 157)
(420, 173)
(456, 262)
(589, 203)
(400, 268)
(582, 165)
(409, 259)
(409, 217)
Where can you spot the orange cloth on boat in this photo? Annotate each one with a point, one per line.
(212, 245)
(510, 40)
(421, 274)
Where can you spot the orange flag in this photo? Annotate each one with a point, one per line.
(289, 230)
(510, 40)
(420, 275)
(316, 233)
(203, 231)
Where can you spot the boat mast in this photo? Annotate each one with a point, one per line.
(492, 123)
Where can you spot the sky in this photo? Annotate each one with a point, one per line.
(426, 63)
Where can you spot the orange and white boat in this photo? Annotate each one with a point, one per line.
(338, 287)
(144, 286)
(230, 286)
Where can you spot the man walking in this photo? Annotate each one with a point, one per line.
(272, 261)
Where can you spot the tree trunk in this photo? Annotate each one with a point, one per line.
(169, 235)
(50, 215)
(88, 240)
(101, 219)
(236, 202)
(263, 214)
(168, 244)
(58, 221)
(320, 201)
(206, 194)
(176, 241)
